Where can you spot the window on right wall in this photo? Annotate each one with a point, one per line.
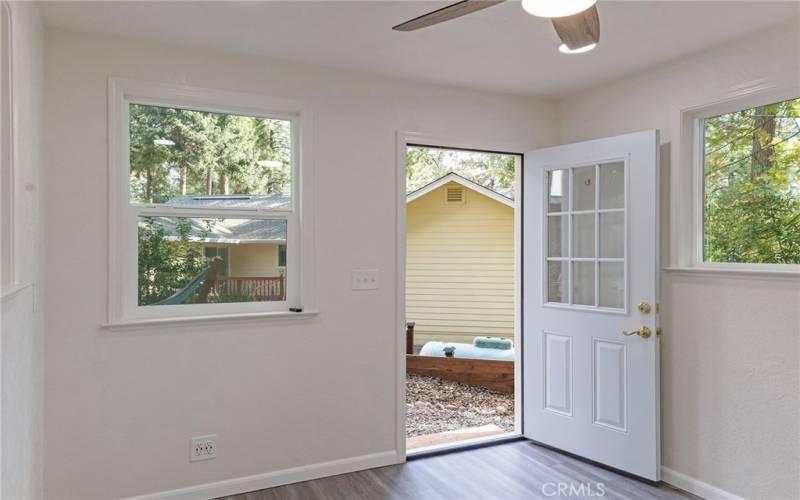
(751, 185)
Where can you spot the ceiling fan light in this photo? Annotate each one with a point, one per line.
(556, 8)
(580, 50)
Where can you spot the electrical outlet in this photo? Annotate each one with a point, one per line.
(364, 279)
(203, 448)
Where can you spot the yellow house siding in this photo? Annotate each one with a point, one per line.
(460, 267)
(252, 260)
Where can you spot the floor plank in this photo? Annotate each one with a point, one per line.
(509, 471)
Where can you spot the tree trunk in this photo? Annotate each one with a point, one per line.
(148, 189)
(210, 181)
(182, 181)
(763, 134)
(224, 184)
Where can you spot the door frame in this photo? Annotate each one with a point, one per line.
(403, 140)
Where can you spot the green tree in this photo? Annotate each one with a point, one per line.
(166, 266)
(491, 170)
(176, 152)
(752, 185)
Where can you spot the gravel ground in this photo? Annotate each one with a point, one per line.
(434, 405)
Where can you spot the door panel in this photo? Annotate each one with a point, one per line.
(590, 257)
(558, 373)
(610, 404)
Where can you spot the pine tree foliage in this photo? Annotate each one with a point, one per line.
(752, 185)
(491, 170)
(176, 152)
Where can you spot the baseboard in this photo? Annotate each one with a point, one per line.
(276, 478)
(695, 486)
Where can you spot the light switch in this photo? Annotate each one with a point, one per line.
(364, 279)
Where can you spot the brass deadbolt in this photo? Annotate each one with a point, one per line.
(644, 308)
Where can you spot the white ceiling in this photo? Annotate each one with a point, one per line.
(500, 49)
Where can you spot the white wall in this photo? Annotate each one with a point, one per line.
(22, 346)
(121, 406)
(731, 346)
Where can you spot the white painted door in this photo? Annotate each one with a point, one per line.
(590, 257)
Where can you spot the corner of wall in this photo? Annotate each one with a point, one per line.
(22, 439)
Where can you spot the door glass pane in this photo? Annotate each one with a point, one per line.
(612, 234)
(558, 190)
(583, 235)
(583, 189)
(583, 283)
(612, 185)
(555, 281)
(557, 235)
(612, 284)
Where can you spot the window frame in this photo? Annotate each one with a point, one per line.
(693, 120)
(8, 275)
(569, 260)
(123, 305)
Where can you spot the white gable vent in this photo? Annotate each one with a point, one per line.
(454, 194)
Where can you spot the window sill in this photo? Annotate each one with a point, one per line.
(140, 324)
(727, 272)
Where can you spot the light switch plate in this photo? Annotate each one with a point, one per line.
(364, 279)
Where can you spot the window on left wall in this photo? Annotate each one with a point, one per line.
(207, 207)
(209, 165)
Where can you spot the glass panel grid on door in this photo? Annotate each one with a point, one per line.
(586, 237)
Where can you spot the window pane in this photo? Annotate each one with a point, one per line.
(583, 188)
(282, 255)
(752, 185)
(210, 260)
(199, 158)
(558, 190)
(612, 185)
(556, 280)
(583, 283)
(612, 234)
(583, 235)
(557, 233)
(612, 284)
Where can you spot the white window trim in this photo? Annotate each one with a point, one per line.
(9, 284)
(123, 309)
(687, 180)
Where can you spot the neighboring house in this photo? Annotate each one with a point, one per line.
(253, 251)
(460, 261)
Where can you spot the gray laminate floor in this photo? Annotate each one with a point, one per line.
(516, 470)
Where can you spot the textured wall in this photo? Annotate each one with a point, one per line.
(731, 348)
(250, 383)
(22, 343)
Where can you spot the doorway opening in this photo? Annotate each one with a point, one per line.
(461, 294)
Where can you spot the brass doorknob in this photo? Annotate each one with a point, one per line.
(643, 332)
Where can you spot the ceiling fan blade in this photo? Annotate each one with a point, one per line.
(446, 13)
(579, 30)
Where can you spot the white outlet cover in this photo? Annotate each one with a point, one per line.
(203, 448)
(364, 279)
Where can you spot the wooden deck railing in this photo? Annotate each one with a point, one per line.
(260, 288)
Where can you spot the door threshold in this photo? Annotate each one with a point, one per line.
(467, 444)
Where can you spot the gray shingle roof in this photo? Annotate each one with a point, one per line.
(226, 230)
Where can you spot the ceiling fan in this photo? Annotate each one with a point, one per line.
(576, 21)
